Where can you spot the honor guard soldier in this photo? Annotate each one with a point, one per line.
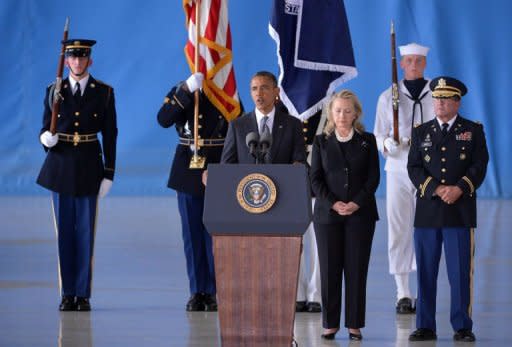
(308, 289)
(414, 107)
(447, 163)
(178, 110)
(78, 168)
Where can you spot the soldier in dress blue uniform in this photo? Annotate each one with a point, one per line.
(447, 163)
(78, 169)
(178, 110)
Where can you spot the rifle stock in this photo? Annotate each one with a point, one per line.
(394, 88)
(58, 82)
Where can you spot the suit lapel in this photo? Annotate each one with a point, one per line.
(278, 130)
(66, 91)
(252, 124)
(91, 83)
(335, 156)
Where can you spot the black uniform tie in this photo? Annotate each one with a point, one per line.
(444, 130)
(78, 93)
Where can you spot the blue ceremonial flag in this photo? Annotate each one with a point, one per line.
(314, 52)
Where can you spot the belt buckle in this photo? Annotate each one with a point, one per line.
(76, 139)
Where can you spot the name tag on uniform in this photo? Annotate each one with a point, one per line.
(427, 142)
(465, 136)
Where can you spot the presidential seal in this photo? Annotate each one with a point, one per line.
(256, 193)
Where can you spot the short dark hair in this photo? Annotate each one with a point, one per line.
(266, 74)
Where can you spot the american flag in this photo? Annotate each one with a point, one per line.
(215, 53)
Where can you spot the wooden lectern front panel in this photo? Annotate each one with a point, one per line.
(256, 280)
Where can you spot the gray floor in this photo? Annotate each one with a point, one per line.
(140, 285)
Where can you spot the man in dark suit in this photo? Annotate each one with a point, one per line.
(178, 110)
(447, 163)
(74, 169)
(287, 140)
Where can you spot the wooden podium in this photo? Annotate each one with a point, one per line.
(257, 249)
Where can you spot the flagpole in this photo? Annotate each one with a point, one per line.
(197, 162)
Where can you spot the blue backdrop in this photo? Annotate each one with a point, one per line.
(140, 53)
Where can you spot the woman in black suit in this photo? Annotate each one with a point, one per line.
(344, 176)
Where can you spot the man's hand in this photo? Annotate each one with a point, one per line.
(451, 194)
(204, 177)
(48, 139)
(390, 145)
(440, 190)
(105, 186)
(194, 82)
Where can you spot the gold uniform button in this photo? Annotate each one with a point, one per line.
(443, 148)
(200, 116)
(77, 113)
(443, 180)
(305, 138)
(58, 116)
(198, 136)
(305, 130)
(306, 121)
(76, 124)
(443, 170)
(173, 102)
(443, 159)
(463, 148)
(220, 116)
(199, 126)
(95, 115)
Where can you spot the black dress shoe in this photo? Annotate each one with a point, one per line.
(300, 306)
(313, 307)
(464, 335)
(405, 306)
(210, 302)
(67, 303)
(195, 303)
(330, 336)
(422, 334)
(355, 337)
(83, 304)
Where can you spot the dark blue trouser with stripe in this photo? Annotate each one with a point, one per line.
(197, 244)
(75, 218)
(458, 249)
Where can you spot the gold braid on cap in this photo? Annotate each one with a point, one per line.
(444, 91)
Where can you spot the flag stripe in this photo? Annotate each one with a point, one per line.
(215, 54)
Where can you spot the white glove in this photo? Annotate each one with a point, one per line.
(194, 82)
(48, 139)
(105, 186)
(390, 145)
(405, 141)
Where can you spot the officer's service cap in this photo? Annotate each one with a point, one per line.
(447, 87)
(413, 49)
(78, 47)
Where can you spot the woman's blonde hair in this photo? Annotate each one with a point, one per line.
(344, 94)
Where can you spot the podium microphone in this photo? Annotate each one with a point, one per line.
(251, 140)
(265, 144)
